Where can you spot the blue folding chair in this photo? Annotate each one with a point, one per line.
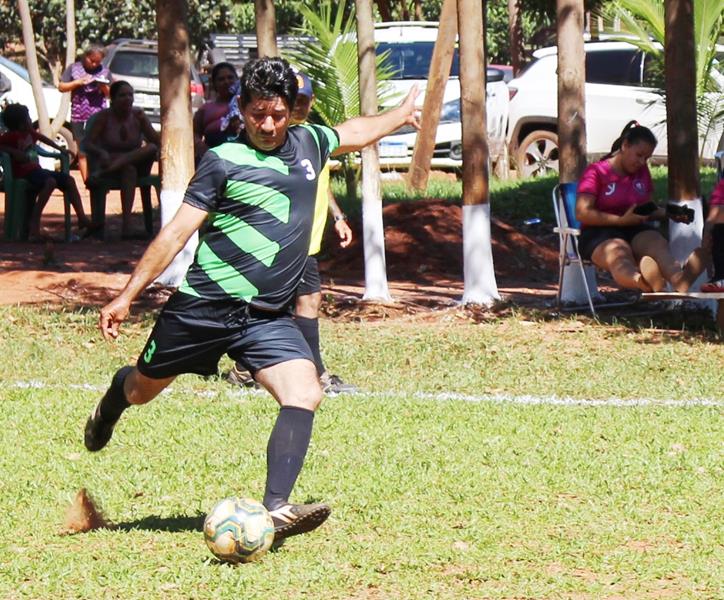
(568, 229)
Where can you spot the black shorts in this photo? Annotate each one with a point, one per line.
(591, 237)
(191, 334)
(78, 129)
(38, 177)
(311, 281)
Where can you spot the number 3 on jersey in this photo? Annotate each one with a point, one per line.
(307, 164)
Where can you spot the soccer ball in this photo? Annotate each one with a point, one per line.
(239, 530)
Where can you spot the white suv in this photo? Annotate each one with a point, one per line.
(616, 92)
(409, 46)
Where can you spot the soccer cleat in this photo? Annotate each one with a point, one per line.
(293, 519)
(241, 377)
(98, 431)
(332, 384)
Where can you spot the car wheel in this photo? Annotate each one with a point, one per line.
(537, 154)
(64, 139)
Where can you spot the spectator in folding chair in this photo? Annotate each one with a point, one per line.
(19, 142)
(121, 142)
(616, 213)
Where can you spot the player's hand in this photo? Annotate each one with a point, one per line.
(86, 79)
(112, 315)
(344, 233)
(410, 110)
(630, 218)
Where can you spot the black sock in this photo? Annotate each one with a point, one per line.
(310, 331)
(717, 250)
(285, 453)
(114, 402)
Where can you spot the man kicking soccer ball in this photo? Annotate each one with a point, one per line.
(257, 197)
(309, 292)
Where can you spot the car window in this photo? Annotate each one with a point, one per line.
(614, 67)
(134, 64)
(412, 61)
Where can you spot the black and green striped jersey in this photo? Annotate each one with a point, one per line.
(261, 207)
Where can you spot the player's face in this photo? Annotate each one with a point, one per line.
(266, 121)
(302, 106)
(123, 100)
(635, 156)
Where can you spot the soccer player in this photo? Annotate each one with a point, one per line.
(309, 292)
(257, 198)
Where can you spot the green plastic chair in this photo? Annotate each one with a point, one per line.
(20, 197)
(100, 186)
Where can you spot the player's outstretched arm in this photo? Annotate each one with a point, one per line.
(359, 132)
(167, 244)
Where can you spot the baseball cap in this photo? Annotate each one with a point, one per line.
(305, 85)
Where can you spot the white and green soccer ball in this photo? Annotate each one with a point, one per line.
(239, 530)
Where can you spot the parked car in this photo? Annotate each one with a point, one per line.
(617, 90)
(396, 150)
(409, 46)
(136, 61)
(22, 92)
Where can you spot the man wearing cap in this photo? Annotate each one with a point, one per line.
(309, 292)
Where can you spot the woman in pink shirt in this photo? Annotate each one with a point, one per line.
(615, 234)
(713, 239)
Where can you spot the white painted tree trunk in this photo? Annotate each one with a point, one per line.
(373, 232)
(173, 275)
(683, 239)
(478, 272)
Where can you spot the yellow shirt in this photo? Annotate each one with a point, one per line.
(321, 208)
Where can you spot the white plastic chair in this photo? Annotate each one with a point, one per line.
(568, 230)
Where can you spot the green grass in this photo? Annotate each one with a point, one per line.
(431, 498)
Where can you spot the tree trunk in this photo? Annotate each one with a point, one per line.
(62, 115)
(515, 35)
(418, 10)
(384, 7)
(437, 79)
(266, 32)
(572, 124)
(373, 234)
(177, 155)
(681, 125)
(480, 285)
(33, 69)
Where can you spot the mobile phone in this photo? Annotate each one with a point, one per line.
(646, 209)
(676, 210)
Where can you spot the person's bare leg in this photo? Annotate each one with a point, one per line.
(652, 274)
(292, 383)
(83, 166)
(140, 389)
(135, 157)
(77, 203)
(616, 257)
(653, 244)
(42, 200)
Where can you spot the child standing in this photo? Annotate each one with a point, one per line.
(18, 141)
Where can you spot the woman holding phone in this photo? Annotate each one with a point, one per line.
(616, 212)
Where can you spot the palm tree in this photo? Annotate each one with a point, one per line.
(331, 62)
(644, 19)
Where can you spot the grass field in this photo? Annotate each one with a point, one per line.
(433, 495)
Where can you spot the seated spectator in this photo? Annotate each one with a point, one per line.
(613, 234)
(87, 80)
(713, 240)
(122, 143)
(209, 127)
(19, 142)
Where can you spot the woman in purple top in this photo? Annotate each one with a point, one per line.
(616, 212)
(88, 82)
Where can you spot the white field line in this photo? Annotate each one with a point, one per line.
(437, 397)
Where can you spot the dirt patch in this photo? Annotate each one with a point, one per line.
(423, 244)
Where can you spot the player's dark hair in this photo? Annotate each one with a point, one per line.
(219, 66)
(633, 133)
(268, 78)
(116, 87)
(14, 116)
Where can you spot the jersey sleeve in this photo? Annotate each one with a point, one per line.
(590, 182)
(207, 185)
(328, 140)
